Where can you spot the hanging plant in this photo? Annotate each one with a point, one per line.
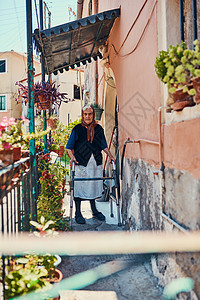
(46, 95)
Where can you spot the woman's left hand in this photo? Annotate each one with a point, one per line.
(111, 158)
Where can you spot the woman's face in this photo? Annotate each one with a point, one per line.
(88, 115)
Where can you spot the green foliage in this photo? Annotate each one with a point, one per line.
(177, 66)
(96, 105)
(160, 68)
(23, 280)
(60, 135)
(52, 192)
(44, 228)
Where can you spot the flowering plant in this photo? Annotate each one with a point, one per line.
(42, 88)
(11, 133)
(52, 192)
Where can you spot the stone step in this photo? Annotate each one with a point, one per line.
(88, 295)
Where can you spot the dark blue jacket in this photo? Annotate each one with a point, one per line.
(83, 149)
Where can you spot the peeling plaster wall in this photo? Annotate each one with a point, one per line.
(142, 210)
(140, 196)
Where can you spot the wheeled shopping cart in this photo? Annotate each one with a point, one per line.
(112, 198)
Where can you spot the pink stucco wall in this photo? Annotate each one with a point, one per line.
(138, 91)
(136, 82)
(5, 114)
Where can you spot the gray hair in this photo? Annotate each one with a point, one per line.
(86, 107)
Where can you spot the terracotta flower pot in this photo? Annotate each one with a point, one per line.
(16, 153)
(25, 153)
(6, 155)
(52, 123)
(58, 277)
(181, 100)
(61, 151)
(196, 86)
(44, 103)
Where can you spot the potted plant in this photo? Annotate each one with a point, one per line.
(98, 111)
(173, 69)
(12, 139)
(58, 139)
(46, 95)
(51, 195)
(52, 121)
(24, 279)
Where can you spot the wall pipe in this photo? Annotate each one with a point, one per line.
(95, 8)
(162, 167)
(128, 140)
(182, 21)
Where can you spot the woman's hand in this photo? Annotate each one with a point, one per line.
(73, 159)
(110, 156)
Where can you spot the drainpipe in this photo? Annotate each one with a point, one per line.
(162, 167)
(79, 9)
(194, 15)
(96, 62)
(161, 173)
(181, 21)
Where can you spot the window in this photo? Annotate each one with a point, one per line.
(2, 102)
(76, 92)
(90, 8)
(2, 65)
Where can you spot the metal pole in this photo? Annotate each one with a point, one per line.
(81, 95)
(43, 76)
(31, 106)
(194, 14)
(181, 21)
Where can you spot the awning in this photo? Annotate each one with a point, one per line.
(70, 44)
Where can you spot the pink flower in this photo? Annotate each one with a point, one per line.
(6, 145)
(25, 119)
(12, 121)
(5, 119)
(4, 122)
(2, 128)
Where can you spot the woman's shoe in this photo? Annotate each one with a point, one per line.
(99, 216)
(79, 219)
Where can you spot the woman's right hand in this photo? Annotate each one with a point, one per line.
(73, 159)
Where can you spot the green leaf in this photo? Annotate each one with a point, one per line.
(185, 89)
(22, 260)
(197, 72)
(48, 224)
(42, 220)
(192, 92)
(172, 90)
(36, 224)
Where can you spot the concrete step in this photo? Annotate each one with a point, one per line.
(88, 295)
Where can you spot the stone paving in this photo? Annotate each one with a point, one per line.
(135, 283)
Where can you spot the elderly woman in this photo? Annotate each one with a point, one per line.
(84, 147)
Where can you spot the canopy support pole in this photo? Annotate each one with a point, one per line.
(31, 108)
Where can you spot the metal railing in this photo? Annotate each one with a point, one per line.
(17, 204)
(16, 198)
